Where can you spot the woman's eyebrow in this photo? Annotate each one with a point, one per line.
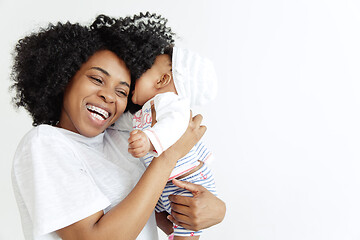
(101, 70)
(108, 74)
(125, 83)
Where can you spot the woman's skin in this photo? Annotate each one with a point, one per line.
(195, 213)
(127, 219)
(201, 211)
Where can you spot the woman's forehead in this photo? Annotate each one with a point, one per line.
(109, 64)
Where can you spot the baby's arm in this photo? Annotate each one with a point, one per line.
(139, 144)
(172, 116)
(170, 121)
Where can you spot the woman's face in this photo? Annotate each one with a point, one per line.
(96, 96)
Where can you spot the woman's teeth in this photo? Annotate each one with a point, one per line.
(97, 112)
(97, 116)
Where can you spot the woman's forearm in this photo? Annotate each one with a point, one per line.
(128, 218)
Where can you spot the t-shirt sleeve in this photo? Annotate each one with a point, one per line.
(54, 184)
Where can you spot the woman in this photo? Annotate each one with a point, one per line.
(72, 177)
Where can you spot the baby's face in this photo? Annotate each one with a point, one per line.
(147, 86)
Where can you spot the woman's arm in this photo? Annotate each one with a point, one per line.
(127, 219)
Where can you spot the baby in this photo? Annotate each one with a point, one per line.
(177, 80)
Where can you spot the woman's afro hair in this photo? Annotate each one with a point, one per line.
(45, 61)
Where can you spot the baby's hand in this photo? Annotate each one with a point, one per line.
(139, 144)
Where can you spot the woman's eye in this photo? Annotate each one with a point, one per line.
(121, 93)
(97, 80)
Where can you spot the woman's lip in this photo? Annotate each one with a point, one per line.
(104, 111)
(96, 119)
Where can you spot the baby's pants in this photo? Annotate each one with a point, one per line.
(202, 177)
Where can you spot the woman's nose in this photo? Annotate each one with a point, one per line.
(107, 95)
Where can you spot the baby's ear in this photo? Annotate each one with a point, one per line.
(164, 80)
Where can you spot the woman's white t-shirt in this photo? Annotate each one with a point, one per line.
(60, 177)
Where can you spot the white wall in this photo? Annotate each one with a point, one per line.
(285, 125)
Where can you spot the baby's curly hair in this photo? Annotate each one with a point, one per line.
(45, 61)
(149, 37)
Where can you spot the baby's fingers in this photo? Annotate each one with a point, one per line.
(137, 152)
(136, 144)
(134, 136)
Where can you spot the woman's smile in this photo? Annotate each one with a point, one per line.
(97, 95)
(97, 112)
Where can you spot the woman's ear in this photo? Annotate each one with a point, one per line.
(164, 80)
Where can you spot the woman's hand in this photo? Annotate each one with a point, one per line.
(201, 211)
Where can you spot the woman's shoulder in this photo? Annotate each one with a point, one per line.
(44, 148)
(41, 132)
(42, 138)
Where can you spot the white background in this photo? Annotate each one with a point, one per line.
(285, 124)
